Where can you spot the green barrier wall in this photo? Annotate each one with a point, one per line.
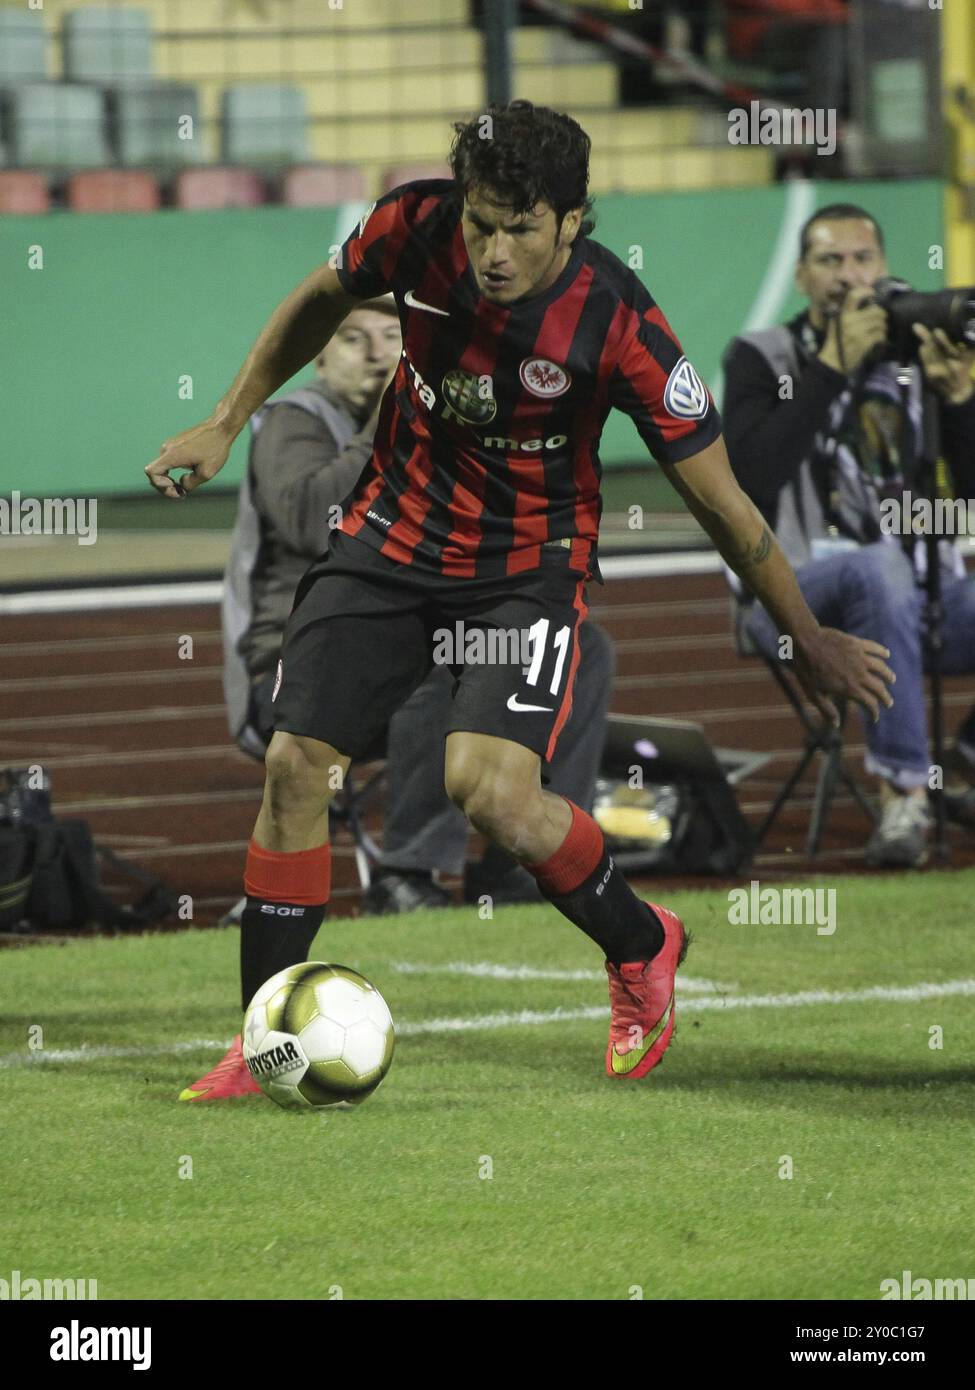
(93, 345)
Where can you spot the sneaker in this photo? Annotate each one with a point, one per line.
(392, 892)
(228, 1078)
(641, 995)
(900, 841)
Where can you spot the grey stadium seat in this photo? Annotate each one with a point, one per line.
(147, 122)
(54, 124)
(107, 45)
(262, 123)
(22, 47)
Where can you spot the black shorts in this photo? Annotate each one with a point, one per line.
(365, 631)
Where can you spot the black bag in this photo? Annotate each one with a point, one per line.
(49, 868)
(65, 894)
(16, 854)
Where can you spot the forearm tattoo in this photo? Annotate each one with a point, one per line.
(754, 554)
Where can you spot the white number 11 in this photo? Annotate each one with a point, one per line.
(538, 633)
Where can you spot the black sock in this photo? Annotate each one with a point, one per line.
(606, 908)
(272, 936)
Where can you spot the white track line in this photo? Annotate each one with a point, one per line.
(142, 755)
(67, 646)
(179, 670)
(153, 715)
(889, 994)
(163, 595)
(95, 600)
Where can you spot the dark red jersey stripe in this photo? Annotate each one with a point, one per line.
(565, 708)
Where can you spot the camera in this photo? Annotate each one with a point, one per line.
(951, 310)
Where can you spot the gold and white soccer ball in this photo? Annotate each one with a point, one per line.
(318, 1035)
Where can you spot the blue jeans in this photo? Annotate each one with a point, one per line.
(872, 592)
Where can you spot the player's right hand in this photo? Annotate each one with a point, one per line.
(836, 663)
(201, 452)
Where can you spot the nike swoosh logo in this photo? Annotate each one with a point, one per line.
(415, 303)
(513, 703)
(624, 1064)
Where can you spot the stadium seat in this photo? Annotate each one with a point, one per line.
(23, 52)
(323, 185)
(57, 124)
(406, 173)
(22, 191)
(262, 123)
(156, 123)
(113, 190)
(107, 45)
(219, 188)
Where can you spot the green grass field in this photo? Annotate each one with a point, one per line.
(599, 1189)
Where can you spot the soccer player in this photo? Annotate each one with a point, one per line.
(480, 507)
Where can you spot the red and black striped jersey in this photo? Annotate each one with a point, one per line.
(488, 436)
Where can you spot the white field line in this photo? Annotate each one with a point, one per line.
(489, 971)
(887, 994)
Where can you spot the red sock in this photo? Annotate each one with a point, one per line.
(584, 883)
(575, 858)
(303, 876)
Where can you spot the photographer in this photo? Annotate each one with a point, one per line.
(819, 431)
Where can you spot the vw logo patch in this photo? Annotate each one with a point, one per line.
(544, 378)
(463, 391)
(686, 395)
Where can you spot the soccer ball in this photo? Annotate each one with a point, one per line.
(318, 1035)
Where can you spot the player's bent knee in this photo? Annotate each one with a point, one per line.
(302, 770)
(494, 804)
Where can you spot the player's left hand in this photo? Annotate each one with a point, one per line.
(947, 365)
(837, 664)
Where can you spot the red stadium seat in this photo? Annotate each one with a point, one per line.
(219, 188)
(21, 191)
(406, 173)
(323, 185)
(113, 190)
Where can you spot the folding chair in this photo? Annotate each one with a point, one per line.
(819, 738)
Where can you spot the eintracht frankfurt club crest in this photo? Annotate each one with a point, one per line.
(686, 395)
(544, 378)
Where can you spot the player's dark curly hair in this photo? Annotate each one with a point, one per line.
(526, 154)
